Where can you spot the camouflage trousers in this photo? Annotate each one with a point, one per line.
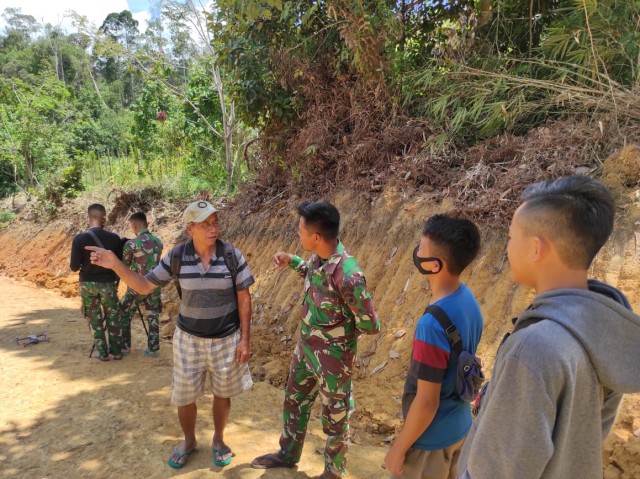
(100, 307)
(326, 371)
(153, 306)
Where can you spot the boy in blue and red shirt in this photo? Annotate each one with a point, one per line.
(436, 419)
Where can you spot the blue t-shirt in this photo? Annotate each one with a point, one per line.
(430, 362)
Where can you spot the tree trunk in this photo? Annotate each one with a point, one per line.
(228, 125)
(62, 70)
(485, 9)
(95, 85)
(28, 162)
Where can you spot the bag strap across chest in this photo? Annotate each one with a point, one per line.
(223, 249)
(453, 335)
(95, 239)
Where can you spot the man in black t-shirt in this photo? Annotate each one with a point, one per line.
(99, 286)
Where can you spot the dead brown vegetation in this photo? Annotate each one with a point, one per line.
(489, 177)
(345, 140)
(351, 136)
(622, 169)
(127, 202)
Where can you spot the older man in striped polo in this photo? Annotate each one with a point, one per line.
(212, 333)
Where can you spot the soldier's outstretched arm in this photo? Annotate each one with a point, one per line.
(281, 259)
(299, 265)
(295, 262)
(107, 259)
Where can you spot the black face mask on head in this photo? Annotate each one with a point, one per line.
(418, 260)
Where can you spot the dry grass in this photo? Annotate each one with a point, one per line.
(347, 138)
(128, 202)
(360, 153)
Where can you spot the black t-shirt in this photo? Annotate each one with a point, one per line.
(80, 257)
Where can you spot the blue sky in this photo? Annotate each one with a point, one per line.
(136, 6)
(54, 11)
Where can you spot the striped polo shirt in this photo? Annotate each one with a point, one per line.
(208, 308)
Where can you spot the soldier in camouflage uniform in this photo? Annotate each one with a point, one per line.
(141, 255)
(336, 309)
(99, 286)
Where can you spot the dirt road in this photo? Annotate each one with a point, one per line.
(64, 415)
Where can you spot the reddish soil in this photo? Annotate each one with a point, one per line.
(125, 420)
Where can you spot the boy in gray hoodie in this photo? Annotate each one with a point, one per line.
(559, 377)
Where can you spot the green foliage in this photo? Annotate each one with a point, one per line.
(468, 105)
(201, 92)
(114, 113)
(6, 217)
(597, 37)
(64, 185)
(585, 58)
(7, 177)
(150, 102)
(187, 186)
(250, 10)
(18, 23)
(280, 53)
(119, 33)
(144, 108)
(244, 50)
(276, 51)
(206, 151)
(34, 117)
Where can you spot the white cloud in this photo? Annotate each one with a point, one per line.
(54, 11)
(143, 19)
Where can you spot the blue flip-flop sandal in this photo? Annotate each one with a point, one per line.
(222, 451)
(178, 465)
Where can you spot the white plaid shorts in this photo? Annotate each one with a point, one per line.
(194, 357)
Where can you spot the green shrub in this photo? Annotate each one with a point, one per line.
(6, 217)
(65, 186)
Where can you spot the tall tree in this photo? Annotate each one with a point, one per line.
(120, 28)
(197, 17)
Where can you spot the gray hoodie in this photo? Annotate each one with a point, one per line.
(555, 388)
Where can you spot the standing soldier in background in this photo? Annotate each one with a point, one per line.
(99, 286)
(141, 255)
(337, 309)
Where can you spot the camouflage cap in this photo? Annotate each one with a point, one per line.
(198, 211)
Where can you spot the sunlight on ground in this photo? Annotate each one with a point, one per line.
(60, 456)
(91, 465)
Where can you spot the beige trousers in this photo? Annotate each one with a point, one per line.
(440, 464)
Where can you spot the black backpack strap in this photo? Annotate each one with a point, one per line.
(99, 243)
(96, 239)
(227, 251)
(176, 262)
(453, 335)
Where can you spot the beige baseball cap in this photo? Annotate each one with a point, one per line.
(198, 211)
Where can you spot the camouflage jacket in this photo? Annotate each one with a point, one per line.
(142, 253)
(336, 307)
